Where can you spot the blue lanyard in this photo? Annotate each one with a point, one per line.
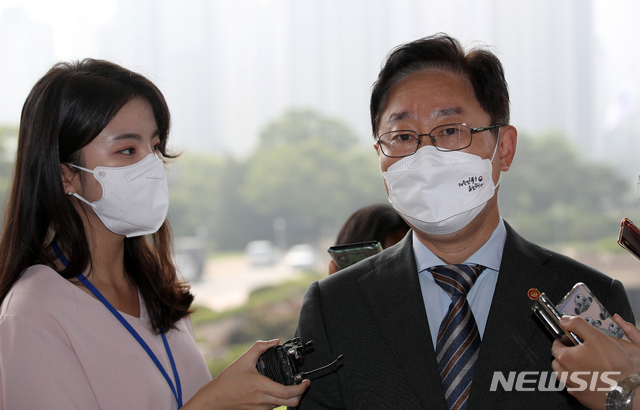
(177, 390)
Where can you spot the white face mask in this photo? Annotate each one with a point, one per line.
(135, 198)
(440, 192)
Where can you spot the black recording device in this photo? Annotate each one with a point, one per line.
(279, 362)
(550, 317)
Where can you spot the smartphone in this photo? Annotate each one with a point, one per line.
(581, 302)
(347, 255)
(550, 317)
(629, 237)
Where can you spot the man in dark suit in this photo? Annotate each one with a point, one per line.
(443, 319)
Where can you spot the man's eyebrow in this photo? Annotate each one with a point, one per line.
(399, 116)
(447, 112)
(444, 112)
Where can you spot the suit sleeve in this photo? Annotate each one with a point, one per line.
(617, 301)
(39, 370)
(324, 392)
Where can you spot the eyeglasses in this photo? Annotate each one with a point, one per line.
(448, 137)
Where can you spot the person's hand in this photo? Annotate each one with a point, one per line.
(633, 348)
(333, 268)
(632, 332)
(599, 353)
(241, 386)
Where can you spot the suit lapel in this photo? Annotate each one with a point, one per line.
(393, 294)
(510, 324)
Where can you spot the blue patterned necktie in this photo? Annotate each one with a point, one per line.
(458, 340)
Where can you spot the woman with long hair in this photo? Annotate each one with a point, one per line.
(92, 315)
(378, 222)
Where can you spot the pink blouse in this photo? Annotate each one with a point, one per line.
(60, 348)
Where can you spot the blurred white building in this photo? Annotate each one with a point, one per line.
(26, 50)
(229, 67)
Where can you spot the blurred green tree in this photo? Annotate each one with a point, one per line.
(552, 194)
(204, 193)
(311, 170)
(314, 172)
(295, 126)
(238, 222)
(194, 190)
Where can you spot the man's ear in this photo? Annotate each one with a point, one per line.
(70, 179)
(508, 142)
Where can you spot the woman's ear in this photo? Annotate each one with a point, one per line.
(70, 179)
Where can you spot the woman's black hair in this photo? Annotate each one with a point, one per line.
(371, 223)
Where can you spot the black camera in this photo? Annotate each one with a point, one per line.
(279, 363)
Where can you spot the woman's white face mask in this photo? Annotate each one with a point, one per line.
(440, 192)
(135, 198)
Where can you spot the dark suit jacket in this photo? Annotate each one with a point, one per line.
(373, 314)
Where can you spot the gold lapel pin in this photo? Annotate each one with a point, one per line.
(533, 293)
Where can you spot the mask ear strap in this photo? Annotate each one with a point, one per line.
(79, 167)
(495, 149)
(83, 200)
(493, 156)
(76, 195)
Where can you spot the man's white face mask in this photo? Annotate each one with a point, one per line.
(440, 192)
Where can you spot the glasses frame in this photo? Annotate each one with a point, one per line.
(433, 138)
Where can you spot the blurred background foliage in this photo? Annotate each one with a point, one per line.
(553, 196)
(309, 169)
(313, 171)
(271, 312)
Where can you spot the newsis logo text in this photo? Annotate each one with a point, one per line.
(551, 381)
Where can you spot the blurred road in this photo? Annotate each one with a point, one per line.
(227, 282)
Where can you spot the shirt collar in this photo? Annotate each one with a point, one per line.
(489, 255)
